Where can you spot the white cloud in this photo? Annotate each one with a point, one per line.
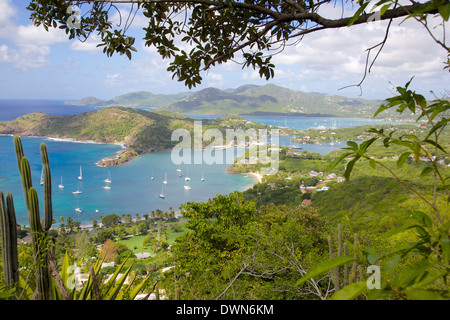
(28, 46)
(89, 46)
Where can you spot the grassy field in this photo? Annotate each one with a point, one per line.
(135, 242)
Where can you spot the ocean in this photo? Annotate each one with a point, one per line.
(132, 191)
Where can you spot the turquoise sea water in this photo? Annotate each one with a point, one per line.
(131, 190)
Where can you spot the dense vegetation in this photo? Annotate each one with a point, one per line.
(310, 231)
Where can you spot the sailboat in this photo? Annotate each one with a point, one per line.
(79, 210)
(152, 176)
(42, 176)
(187, 186)
(165, 178)
(161, 195)
(78, 190)
(108, 180)
(187, 176)
(80, 177)
(179, 169)
(61, 186)
(203, 178)
(106, 186)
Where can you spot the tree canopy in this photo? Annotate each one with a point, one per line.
(197, 35)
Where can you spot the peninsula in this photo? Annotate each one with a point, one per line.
(139, 131)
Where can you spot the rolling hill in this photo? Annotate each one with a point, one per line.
(140, 131)
(247, 99)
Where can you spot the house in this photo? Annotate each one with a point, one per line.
(306, 202)
(332, 176)
(108, 264)
(143, 255)
(313, 174)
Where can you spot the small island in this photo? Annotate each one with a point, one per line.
(119, 159)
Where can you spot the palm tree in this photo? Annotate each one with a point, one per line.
(70, 223)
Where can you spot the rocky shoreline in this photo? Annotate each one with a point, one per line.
(121, 158)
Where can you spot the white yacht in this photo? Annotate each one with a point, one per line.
(161, 195)
(78, 191)
(61, 186)
(108, 180)
(80, 177)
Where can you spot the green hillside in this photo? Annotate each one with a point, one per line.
(246, 99)
(140, 130)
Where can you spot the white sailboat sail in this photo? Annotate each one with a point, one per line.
(80, 177)
(61, 186)
(161, 195)
(203, 178)
(187, 176)
(165, 178)
(78, 191)
(108, 180)
(42, 176)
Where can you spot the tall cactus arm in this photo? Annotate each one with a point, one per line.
(8, 229)
(13, 236)
(42, 291)
(19, 150)
(25, 173)
(4, 223)
(48, 211)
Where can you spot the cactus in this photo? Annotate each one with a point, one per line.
(38, 228)
(349, 276)
(354, 277)
(8, 228)
(48, 210)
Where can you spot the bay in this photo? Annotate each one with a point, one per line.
(131, 191)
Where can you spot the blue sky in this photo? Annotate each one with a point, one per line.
(35, 64)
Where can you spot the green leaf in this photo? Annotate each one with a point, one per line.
(426, 171)
(445, 245)
(402, 159)
(384, 8)
(423, 218)
(353, 145)
(357, 14)
(389, 265)
(372, 163)
(410, 274)
(337, 160)
(350, 292)
(444, 11)
(437, 145)
(420, 100)
(422, 294)
(324, 267)
(349, 168)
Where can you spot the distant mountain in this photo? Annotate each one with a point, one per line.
(272, 99)
(248, 99)
(142, 99)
